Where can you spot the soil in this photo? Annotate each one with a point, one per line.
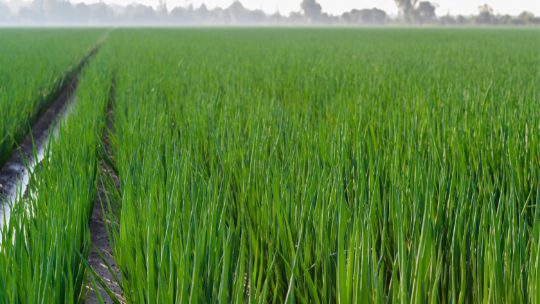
(100, 244)
(98, 223)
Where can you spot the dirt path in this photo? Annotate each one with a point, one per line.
(100, 244)
(98, 222)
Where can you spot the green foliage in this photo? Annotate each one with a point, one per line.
(34, 64)
(47, 237)
(328, 165)
(296, 165)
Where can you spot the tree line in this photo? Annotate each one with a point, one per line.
(411, 12)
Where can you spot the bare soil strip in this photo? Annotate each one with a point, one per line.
(16, 168)
(101, 249)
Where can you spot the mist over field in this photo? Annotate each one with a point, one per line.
(310, 12)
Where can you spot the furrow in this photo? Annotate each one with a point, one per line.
(15, 173)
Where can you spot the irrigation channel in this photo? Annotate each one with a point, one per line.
(15, 176)
(16, 172)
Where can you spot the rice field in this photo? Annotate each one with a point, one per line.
(33, 65)
(288, 165)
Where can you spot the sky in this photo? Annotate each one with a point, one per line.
(335, 7)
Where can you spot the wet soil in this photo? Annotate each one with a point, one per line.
(108, 182)
(16, 167)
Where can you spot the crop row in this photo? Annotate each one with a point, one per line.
(328, 166)
(45, 243)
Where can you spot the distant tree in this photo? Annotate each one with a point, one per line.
(416, 11)
(506, 19)
(202, 14)
(311, 9)
(81, 12)
(372, 16)
(101, 13)
(406, 9)
(485, 14)
(327, 19)
(181, 15)
(277, 18)
(237, 13)
(139, 14)
(425, 12)
(526, 18)
(461, 20)
(162, 8)
(61, 12)
(296, 18)
(447, 19)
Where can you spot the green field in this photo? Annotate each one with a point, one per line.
(287, 165)
(33, 64)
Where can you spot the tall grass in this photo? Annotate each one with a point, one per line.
(295, 165)
(34, 64)
(327, 166)
(45, 243)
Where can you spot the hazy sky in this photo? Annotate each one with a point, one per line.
(455, 7)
